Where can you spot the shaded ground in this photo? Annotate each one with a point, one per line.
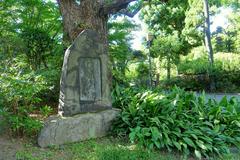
(107, 148)
(9, 147)
(99, 149)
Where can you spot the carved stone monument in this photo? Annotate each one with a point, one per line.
(85, 80)
(85, 101)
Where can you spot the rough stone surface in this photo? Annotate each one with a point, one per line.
(84, 85)
(61, 130)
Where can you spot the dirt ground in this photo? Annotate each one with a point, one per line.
(9, 147)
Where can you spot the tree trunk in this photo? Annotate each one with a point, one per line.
(208, 43)
(168, 68)
(150, 69)
(86, 15)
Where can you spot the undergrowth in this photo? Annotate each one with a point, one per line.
(179, 120)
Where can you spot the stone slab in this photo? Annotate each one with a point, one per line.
(62, 130)
(85, 80)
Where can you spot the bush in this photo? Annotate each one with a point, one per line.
(225, 62)
(224, 82)
(194, 73)
(181, 120)
(21, 90)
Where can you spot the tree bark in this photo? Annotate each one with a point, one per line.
(150, 69)
(168, 68)
(91, 14)
(208, 43)
(86, 15)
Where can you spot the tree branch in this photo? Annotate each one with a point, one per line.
(129, 13)
(116, 6)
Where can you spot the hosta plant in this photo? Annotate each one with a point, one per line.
(180, 120)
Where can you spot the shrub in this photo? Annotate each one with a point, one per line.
(181, 120)
(38, 44)
(20, 91)
(225, 62)
(195, 73)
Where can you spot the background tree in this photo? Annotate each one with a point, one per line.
(30, 62)
(224, 38)
(207, 32)
(234, 29)
(167, 20)
(207, 42)
(30, 27)
(120, 48)
(165, 17)
(167, 48)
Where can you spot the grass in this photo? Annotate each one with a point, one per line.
(100, 149)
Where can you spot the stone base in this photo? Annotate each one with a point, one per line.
(61, 130)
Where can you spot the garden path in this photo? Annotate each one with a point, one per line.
(219, 96)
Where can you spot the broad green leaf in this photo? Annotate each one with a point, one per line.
(198, 154)
(155, 133)
(216, 128)
(224, 101)
(189, 142)
(177, 145)
(157, 143)
(201, 145)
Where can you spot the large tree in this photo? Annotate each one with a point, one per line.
(93, 14)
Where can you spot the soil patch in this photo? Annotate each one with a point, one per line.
(9, 147)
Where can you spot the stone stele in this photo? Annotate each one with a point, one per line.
(84, 85)
(85, 103)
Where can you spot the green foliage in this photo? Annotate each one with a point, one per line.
(234, 29)
(194, 72)
(194, 23)
(142, 77)
(223, 39)
(45, 111)
(29, 27)
(121, 96)
(30, 32)
(98, 149)
(124, 154)
(119, 48)
(20, 89)
(168, 48)
(38, 43)
(165, 17)
(225, 62)
(181, 121)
